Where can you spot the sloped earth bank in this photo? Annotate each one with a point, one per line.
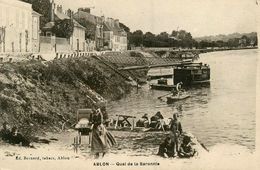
(40, 97)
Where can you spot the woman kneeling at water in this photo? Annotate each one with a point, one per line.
(186, 150)
(166, 149)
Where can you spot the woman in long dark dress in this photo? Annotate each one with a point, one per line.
(175, 131)
(102, 140)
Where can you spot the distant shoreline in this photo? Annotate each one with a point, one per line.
(213, 49)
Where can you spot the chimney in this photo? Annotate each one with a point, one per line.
(112, 22)
(71, 15)
(108, 21)
(84, 10)
(52, 10)
(102, 18)
(117, 23)
(87, 10)
(59, 9)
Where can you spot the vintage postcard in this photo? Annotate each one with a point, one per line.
(129, 84)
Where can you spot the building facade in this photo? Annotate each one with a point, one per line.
(35, 32)
(94, 25)
(115, 38)
(76, 42)
(19, 27)
(77, 39)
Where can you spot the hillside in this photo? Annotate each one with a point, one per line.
(225, 38)
(39, 97)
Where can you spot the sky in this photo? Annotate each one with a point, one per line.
(200, 17)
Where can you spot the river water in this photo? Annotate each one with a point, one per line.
(221, 113)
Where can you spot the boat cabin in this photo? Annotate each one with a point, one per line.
(194, 73)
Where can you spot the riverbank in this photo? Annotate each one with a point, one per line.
(38, 97)
(60, 155)
(199, 50)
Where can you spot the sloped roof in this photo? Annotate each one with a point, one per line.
(76, 24)
(48, 25)
(87, 16)
(36, 13)
(63, 16)
(116, 30)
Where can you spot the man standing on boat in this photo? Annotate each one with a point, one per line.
(175, 131)
(179, 88)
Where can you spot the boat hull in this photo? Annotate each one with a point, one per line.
(173, 99)
(162, 87)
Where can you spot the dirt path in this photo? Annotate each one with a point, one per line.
(134, 151)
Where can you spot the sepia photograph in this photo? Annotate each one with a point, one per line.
(129, 84)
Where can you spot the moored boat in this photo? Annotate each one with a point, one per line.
(162, 84)
(191, 74)
(162, 87)
(172, 99)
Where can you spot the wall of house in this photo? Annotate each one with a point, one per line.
(35, 34)
(123, 43)
(77, 40)
(116, 43)
(99, 33)
(90, 45)
(119, 43)
(108, 39)
(16, 24)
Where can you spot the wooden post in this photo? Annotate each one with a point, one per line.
(74, 144)
(173, 75)
(90, 138)
(136, 85)
(117, 122)
(79, 137)
(133, 125)
(77, 143)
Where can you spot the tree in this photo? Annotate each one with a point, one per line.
(245, 40)
(233, 42)
(174, 33)
(63, 28)
(136, 38)
(149, 39)
(43, 7)
(90, 28)
(182, 39)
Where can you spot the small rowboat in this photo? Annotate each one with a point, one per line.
(172, 99)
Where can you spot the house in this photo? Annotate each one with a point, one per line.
(76, 41)
(19, 27)
(36, 32)
(115, 38)
(93, 24)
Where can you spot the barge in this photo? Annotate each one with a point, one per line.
(191, 74)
